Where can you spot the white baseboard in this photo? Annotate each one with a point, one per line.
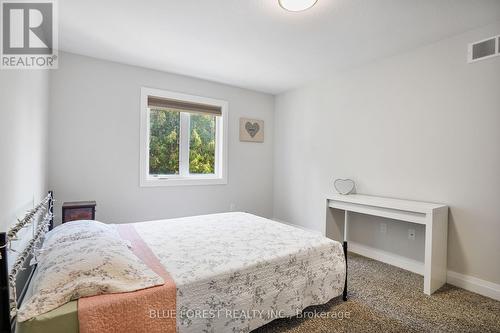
(474, 284)
(467, 282)
(296, 225)
(387, 257)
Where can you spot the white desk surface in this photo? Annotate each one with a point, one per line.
(391, 203)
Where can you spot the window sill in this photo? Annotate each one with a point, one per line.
(177, 181)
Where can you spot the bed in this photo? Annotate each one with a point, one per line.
(234, 262)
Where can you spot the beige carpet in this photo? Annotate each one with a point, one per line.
(383, 298)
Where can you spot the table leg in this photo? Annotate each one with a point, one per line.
(436, 241)
(346, 218)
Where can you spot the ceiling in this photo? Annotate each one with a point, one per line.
(255, 44)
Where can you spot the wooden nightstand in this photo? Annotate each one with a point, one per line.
(78, 210)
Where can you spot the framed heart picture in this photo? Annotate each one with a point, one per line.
(251, 130)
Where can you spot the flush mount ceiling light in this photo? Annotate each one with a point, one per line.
(296, 5)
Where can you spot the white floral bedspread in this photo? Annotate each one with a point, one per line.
(235, 272)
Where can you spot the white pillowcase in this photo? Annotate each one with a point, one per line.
(90, 266)
(77, 230)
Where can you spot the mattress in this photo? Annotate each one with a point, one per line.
(233, 272)
(64, 319)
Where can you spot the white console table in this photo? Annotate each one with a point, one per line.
(433, 216)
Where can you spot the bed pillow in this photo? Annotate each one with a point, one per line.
(87, 267)
(77, 230)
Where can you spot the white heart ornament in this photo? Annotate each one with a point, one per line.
(344, 186)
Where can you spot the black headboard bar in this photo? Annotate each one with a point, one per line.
(51, 208)
(4, 286)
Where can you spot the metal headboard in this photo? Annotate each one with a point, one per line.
(19, 277)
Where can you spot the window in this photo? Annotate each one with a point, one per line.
(183, 139)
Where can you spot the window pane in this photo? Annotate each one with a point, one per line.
(202, 144)
(164, 142)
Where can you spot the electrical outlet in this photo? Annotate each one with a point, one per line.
(383, 228)
(411, 234)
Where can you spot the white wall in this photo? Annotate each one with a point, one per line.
(94, 144)
(423, 125)
(23, 141)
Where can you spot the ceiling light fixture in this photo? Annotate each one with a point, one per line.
(297, 5)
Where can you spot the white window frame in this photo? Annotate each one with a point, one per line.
(221, 149)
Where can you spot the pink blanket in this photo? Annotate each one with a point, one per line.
(149, 310)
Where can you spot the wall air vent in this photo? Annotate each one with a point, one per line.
(483, 49)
